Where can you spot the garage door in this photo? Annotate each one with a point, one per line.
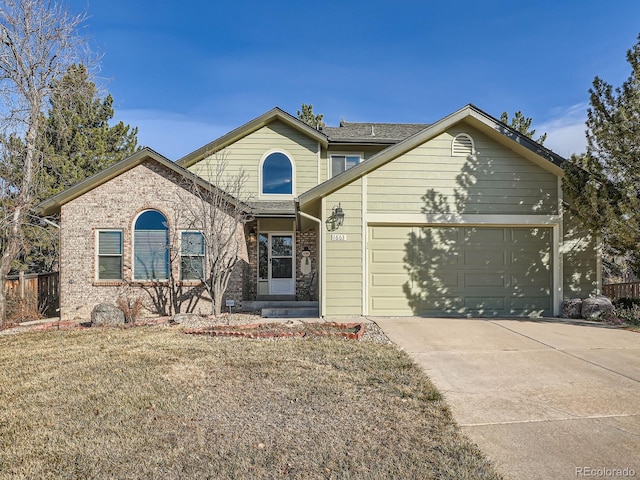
(466, 271)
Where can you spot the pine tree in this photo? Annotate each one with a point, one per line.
(604, 184)
(307, 116)
(78, 141)
(522, 124)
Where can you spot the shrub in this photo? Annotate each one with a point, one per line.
(626, 302)
(21, 310)
(630, 315)
(131, 307)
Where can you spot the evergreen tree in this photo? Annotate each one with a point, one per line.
(603, 185)
(308, 117)
(522, 124)
(78, 141)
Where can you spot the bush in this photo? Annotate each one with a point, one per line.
(20, 310)
(630, 315)
(131, 307)
(626, 302)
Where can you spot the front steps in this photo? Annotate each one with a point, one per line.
(283, 308)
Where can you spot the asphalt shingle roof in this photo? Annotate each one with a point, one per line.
(372, 132)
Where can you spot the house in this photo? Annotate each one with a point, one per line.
(463, 217)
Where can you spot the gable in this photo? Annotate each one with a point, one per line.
(146, 155)
(468, 116)
(431, 179)
(246, 154)
(257, 123)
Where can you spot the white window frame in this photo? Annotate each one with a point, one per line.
(98, 255)
(203, 256)
(360, 155)
(277, 196)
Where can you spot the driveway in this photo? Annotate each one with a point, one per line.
(542, 398)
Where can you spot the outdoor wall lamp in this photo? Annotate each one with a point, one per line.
(336, 219)
(252, 233)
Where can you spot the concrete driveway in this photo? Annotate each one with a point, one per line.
(542, 398)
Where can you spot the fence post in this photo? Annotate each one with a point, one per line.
(21, 283)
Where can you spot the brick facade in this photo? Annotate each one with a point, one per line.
(307, 285)
(115, 205)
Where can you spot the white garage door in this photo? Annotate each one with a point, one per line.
(466, 271)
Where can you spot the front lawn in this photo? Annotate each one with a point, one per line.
(152, 402)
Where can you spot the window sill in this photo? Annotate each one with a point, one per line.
(108, 283)
(190, 283)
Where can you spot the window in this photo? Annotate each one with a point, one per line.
(192, 256)
(462, 145)
(109, 255)
(340, 163)
(277, 175)
(151, 247)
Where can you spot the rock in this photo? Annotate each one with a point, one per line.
(572, 308)
(597, 308)
(106, 315)
(186, 318)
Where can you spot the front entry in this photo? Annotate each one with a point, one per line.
(276, 261)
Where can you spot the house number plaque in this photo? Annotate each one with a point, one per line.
(338, 237)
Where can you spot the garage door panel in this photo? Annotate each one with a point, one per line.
(492, 304)
(486, 271)
(484, 236)
(388, 280)
(484, 258)
(530, 235)
(484, 280)
(394, 257)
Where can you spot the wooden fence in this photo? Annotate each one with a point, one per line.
(622, 290)
(38, 292)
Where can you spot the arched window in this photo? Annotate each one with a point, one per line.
(151, 246)
(462, 145)
(277, 175)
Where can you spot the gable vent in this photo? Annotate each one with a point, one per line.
(462, 145)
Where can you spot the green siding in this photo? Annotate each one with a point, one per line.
(580, 265)
(246, 154)
(494, 181)
(344, 258)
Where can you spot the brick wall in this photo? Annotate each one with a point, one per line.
(307, 285)
(115, 205)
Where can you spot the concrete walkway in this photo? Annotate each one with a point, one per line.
(543, 399)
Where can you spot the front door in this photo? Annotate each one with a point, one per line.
(281, 264)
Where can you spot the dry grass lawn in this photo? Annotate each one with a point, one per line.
(152, 402)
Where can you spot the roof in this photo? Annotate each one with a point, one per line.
(471, 114)
(249, 127)
(52, 205)
(357, 132)
(273, 208)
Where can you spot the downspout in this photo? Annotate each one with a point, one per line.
(319, 260)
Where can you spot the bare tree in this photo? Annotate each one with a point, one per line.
(219, 216)
(215, 241)
(38, 42)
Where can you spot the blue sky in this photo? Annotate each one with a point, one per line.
(187, 72)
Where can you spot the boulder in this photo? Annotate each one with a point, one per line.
(106, 315)
(597, 308)
(186, 318)
(572, 308)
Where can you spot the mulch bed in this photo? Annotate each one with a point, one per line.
(352, 331)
